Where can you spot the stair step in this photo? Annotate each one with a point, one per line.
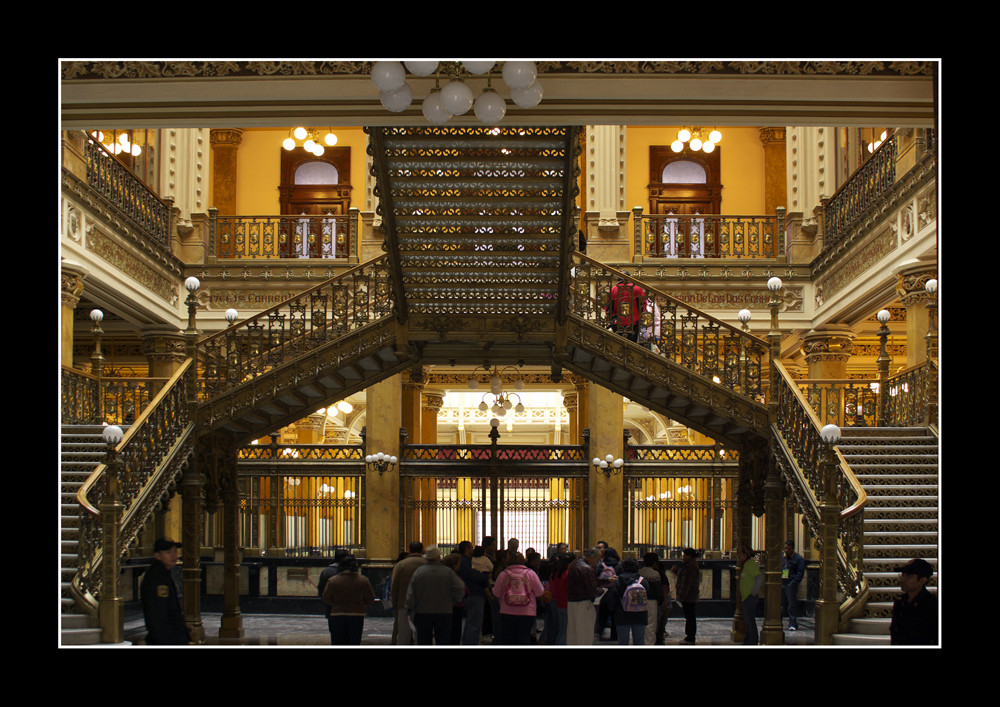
(869, 627)
(80, 636)
(860, 639)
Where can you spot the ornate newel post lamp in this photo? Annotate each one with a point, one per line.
(827, 608)
(882, 362)
(381, 462)
(609, 466)
(744, 316)
(231, 316)
(774, 490)
(97, 365)
(111, 614)
(932, 350)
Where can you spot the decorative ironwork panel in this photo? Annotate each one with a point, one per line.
(666, 514)
(299, 236)
(710, 236)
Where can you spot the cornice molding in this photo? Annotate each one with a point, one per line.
(126, 70)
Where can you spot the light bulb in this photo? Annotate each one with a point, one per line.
(708, 146)
(490, 108)
(715, 136)
(421, 68)
(478, 67)
(519, 74)
(434, 109)
(330, 139)
(288, 144)
(300, 133)
(388, 75)
(398, 100)
(457, 97)
(677, 146)
(684, 135)
(527, 97)
(695, 144)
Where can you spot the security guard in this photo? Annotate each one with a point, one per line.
(161, 606)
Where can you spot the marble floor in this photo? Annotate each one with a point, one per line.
(296, 630)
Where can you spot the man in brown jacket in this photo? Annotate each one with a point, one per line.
(402, 632)
(349, 594)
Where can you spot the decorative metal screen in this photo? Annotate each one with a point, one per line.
(538, 511)
(665, 514)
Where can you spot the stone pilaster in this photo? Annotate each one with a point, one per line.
(606, 218)
(605, 420)
(431, 404)
(382, 427)
(775, 174)
(910, 283)
(225, 144)
(72, 276)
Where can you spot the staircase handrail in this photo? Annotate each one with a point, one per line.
(246, 349)
(718, 348)
(154, 440)
(796, 432)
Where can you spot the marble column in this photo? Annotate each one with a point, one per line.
(571, 405)
(910, 283)
(606, 421)
(775, 166)
(383, 423)
(412, 411)
(225, 144)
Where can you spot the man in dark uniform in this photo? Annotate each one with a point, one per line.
(915, 613)
(161, 606)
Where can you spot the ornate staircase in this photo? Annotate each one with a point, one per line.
(898, 468)
(83, 450)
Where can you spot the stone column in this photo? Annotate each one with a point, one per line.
(231, 624)
(412, 411)
(382, 435)
(193, 512)
(606, 421)
(809, 152)
(827, 351)
(72, 275)
(225, 144)
(910, 283)
(164, 349)
(430, 407)
(570, 403)
(582, 408)
(310, 430)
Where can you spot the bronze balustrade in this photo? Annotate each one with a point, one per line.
(667, 326)
(710, 236)
(860, 194)
(79, 398)
(128, 194)
(842, 402)
(302, 236)
(301, 324)
(911, 395)
(124, 398)
(149, 455)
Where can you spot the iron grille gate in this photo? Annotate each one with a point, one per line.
(451, 493)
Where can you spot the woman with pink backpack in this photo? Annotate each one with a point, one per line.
(517, 588)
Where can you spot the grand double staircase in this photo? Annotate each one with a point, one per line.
(898, 468)
(480, 264)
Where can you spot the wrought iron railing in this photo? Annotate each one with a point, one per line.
(862, 193)
(150, 454)
(798, 453)
(680, 453)
(910, 396)
(284, 236)
(121, 401)
(128, 194)
(497, 453)
(342, 304)
(842, 402)
(708, 236)
(665, 325)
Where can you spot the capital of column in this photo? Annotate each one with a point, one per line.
(771, 135)
(226, 137)
(163, 346)
(571, 401)
(828, 344)
(432, 401)
(910, 283)
(72, 276)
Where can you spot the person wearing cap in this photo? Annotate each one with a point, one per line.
(161, 606)
(915, 612)
(431, 597)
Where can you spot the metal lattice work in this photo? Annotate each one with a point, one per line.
(476, 215)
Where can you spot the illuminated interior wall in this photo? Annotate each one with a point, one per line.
(742, 160)
(258, 170)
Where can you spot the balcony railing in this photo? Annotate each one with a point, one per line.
(709, 236)
(285, 236)
(121, 402)
(128, 194)
(841, 402)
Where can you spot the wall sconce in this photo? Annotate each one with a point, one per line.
(609, 465)
(380, 462)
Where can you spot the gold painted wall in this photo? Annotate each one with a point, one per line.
(742, 167)
(259, 164)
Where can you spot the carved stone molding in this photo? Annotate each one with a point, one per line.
(827, 346)
(113, 252)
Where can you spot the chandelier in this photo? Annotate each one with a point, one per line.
(116, 147)
(696, 139)
(502, 399)
(311, 139)
(455, 97)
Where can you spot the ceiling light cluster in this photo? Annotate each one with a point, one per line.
(697, 139)
(118, 146)
(311, 140)
(455, 97)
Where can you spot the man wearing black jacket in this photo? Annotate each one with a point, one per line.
(161, 606)
(914, 614)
